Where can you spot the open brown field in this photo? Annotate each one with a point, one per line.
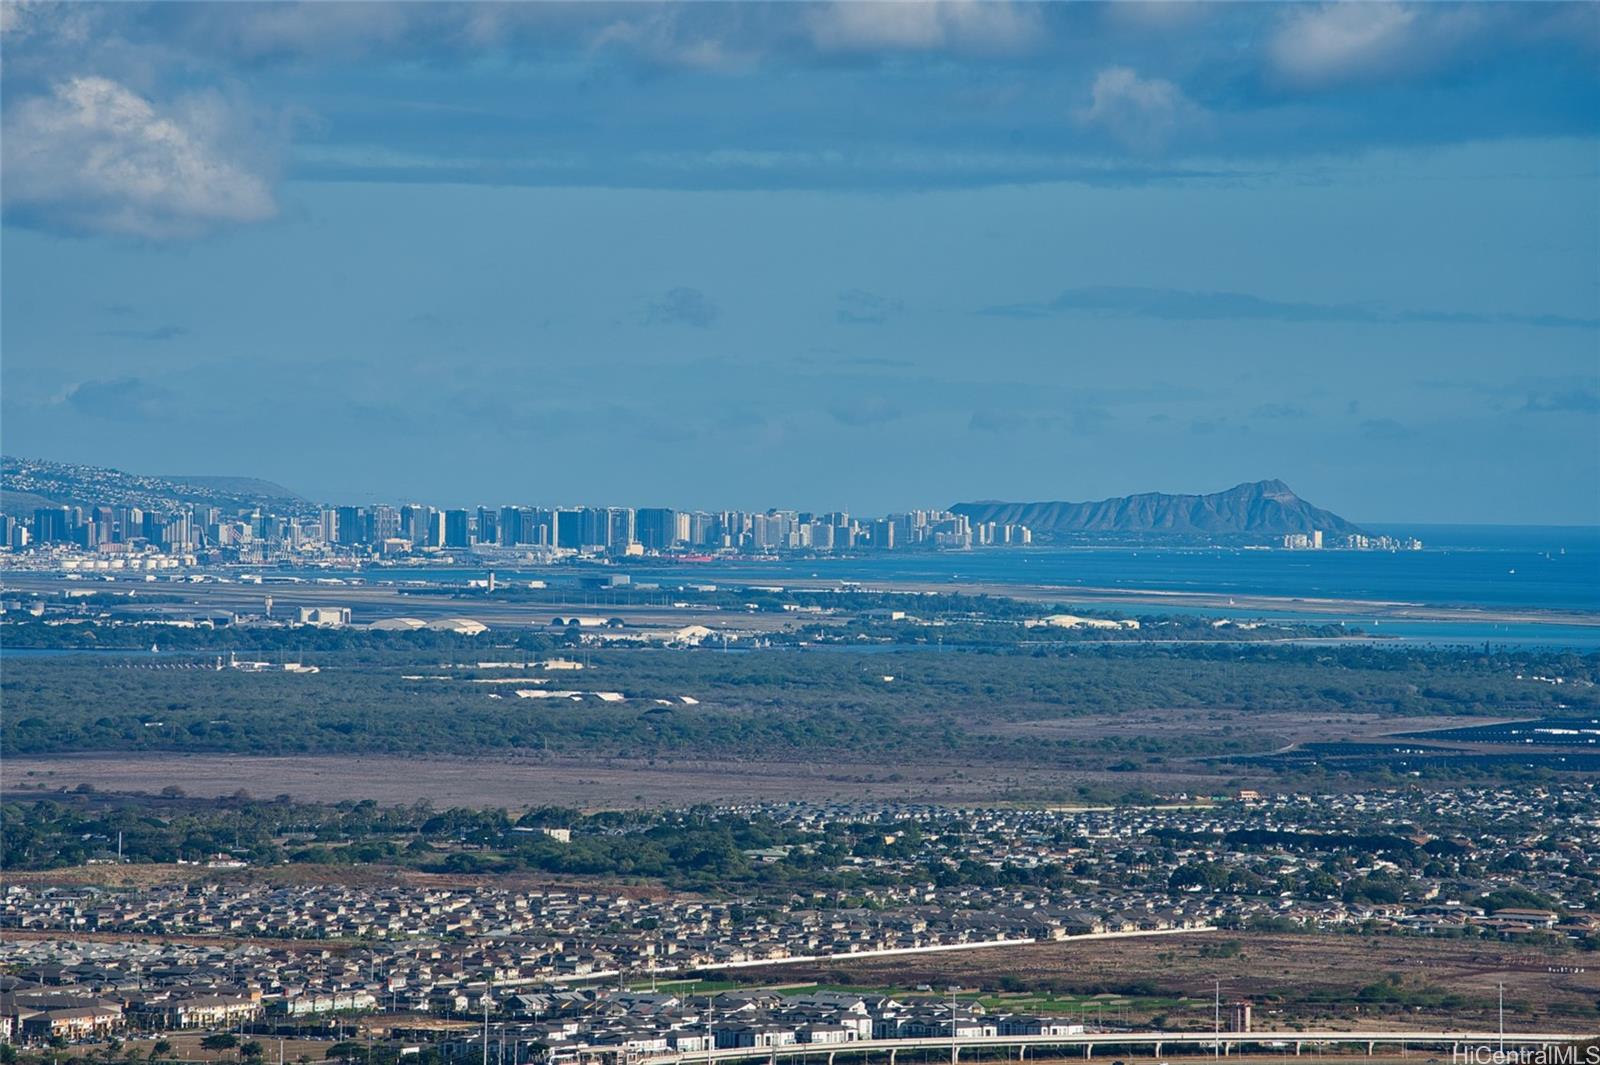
(519, 779)
(155, 875)
(1221, 722)
(1293, 979)
(516, 780)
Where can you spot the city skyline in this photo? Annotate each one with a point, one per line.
(539, 532)
(860, 255)
(97, 509)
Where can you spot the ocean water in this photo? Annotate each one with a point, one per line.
(1558, 572)
(1493, 568)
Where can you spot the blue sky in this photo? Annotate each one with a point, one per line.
(817, 255)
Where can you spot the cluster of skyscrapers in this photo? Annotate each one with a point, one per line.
(94, 527)
(388, 531)
(620, 530)
(1316, 541)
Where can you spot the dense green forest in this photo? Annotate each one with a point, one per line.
(354, 643)
(693, 848)
(837, 703)
(702, 848)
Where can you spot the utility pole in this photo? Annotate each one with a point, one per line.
(1502, 1016)
(1216, 1018)
(952, 1024)
(486, 986)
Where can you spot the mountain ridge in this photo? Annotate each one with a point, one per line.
(26, 484)
(1254, 508)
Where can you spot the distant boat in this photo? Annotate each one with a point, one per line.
(154, 649)
(1512, 572)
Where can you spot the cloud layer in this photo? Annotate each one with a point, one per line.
(1184, 306)
(682, 306)
(1142, 114)
(95, 156)
(162, 100)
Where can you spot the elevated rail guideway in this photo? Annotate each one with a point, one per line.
(1463, 1046)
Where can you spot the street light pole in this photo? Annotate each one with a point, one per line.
(1502, 1016)
(952, 1024)
(1216, 1018)
(711, 1040)
(486, 985)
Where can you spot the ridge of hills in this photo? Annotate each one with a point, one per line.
(28, 484)
(1267, 507)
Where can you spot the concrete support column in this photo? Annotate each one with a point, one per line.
(1297, 1048)
(1369, 1048)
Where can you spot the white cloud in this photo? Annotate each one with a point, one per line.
(95, 157)
(21, 19)
(923, 25)
(660, 36)
(1142, 114)
(1319, 45)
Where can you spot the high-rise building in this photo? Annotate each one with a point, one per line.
(595, 528)
(352, 523)
(457, 530)
(486, 528)
(657, 527)
(411, 522)
(510, 527)
(129, 523)
(702, 527)
(539, 526)
(105, 524)
(52, 525)
(384, 523)
(175, 532)
(620, 528)
(569, 529)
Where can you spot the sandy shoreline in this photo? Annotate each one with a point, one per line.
(1385, 609)
(373, 601)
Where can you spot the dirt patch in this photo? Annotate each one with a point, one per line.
(1282, 728)
(370, 876)
(1291, 979)
(518, 781)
